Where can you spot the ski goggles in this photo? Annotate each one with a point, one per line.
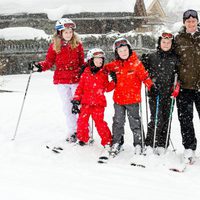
(98, 55)
(190, 13)
(167, 36)
(120, 43)
(70, 25)
(63, 26)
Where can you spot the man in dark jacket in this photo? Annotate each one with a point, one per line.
(188, 50)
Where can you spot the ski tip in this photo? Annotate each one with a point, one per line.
(59, 148)
(177, 170)
(103, 158)
(101, 162)
(55, 151)
(137, 165)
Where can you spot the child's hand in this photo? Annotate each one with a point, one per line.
(34, 66)
(154, 90)
(113, 76)
(176, 91)
(75, 108)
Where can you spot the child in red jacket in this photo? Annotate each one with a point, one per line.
(66, 53)
(90, 94)
(129, 75)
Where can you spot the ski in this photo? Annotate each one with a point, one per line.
(138, 165)
(182, 166)
(138, 161)
(55, 149)
(176, 169)
(103, 159)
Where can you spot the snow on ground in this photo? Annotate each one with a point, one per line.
(30, 171)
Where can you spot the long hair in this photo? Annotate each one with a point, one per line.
(57, 41)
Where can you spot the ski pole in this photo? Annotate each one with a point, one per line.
(142, 128)
(91, 141)
(92, 129)
(146, 101)
(14, 136)
(156, 122)
(172, 145)
(170, 114)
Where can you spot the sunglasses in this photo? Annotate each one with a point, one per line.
(190, 13)
(120, 43)
(167, 36)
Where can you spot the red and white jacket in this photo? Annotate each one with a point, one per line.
(91, 88)
(130, 75)
(68, 63)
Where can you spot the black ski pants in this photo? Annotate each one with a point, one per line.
(185, 102)
(163, 120)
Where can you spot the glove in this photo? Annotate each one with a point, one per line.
(154, 90)
(75, 109)
(113, 76)
(82, 69)
(34, 66)
(176, 91)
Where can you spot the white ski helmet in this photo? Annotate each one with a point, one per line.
(95, 53)
(121, 42)
(64, 23)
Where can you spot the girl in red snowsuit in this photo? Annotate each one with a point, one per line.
(90, 94)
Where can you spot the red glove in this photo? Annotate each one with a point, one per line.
(176, 90)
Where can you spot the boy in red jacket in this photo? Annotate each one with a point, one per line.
(90, 94)
(129, 75)
(66, 53)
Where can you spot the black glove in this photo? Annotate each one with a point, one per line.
(154, 90)
(113, 76)
(82, 69)
(75, 109)
(34, 66)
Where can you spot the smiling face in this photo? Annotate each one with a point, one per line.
(123, 52)
(98, 62)
(67, 34)
(165, 44)
(191, 25)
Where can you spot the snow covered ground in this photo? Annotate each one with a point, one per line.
(29, 171)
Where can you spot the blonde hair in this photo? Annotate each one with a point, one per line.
(75, 40)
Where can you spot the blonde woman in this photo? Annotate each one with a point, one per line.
(66, 53)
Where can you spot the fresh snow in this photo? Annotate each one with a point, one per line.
(56, 8)
(21, 33)
(28, 170)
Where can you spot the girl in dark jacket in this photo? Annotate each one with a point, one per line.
(161, 66)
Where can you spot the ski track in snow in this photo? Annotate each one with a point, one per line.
(29, 170)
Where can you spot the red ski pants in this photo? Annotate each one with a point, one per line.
(97, 113)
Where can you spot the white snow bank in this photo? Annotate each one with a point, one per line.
(21, 33)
